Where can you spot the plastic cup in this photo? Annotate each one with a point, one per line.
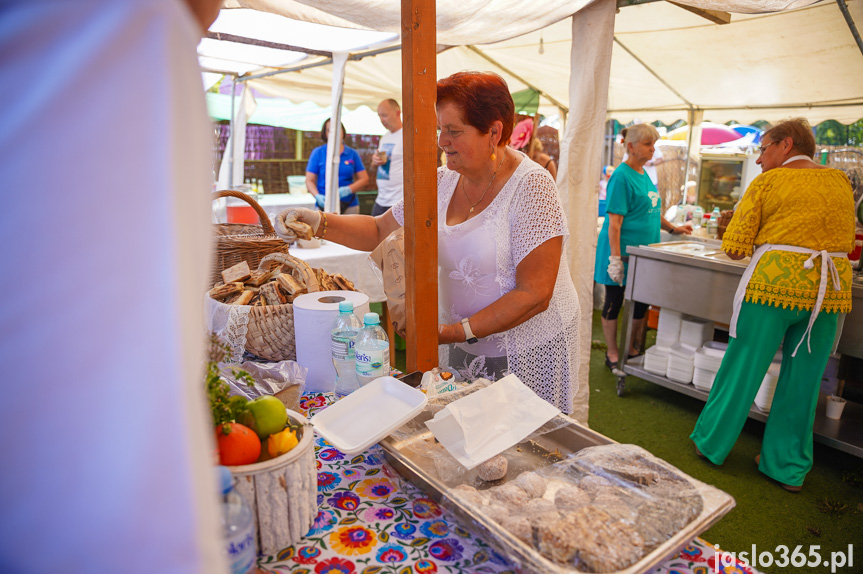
(835, 405)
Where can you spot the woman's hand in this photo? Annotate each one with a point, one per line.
(685, 229)
(297, 223)
(735, 255)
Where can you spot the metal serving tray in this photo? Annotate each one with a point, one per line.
(532, 454)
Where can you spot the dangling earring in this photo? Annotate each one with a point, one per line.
(493, 156)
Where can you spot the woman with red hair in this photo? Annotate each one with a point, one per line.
(507, 302)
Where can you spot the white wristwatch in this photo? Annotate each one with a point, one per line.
(470, 338)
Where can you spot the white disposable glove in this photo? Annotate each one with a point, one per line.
(615, 269)
(297, 223)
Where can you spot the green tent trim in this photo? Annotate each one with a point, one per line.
(526, 102)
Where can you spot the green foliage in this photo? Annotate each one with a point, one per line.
(832, 132)
(224, 407)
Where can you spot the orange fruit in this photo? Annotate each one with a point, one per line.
(238, 444)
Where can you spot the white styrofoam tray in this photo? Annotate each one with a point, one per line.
(369, 414)
(703, 379)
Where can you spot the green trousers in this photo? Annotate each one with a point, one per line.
(786, 451)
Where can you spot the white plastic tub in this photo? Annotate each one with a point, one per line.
(369, 414)
(656, 360)
(680, 364)
(668, 327)
(703, 379)
(695, 332)
(706, 360)
(764, 398)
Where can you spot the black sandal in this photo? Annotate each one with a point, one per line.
(608, 362)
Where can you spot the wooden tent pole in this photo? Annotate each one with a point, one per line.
(419, 88)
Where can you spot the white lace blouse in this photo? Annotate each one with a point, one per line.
(477, 264)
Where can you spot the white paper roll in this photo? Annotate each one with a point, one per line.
(313, 317)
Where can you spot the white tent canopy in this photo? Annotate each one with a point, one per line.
(665, 59)
(462, 22)
(652, 61)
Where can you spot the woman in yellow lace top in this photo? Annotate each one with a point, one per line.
(796, 220)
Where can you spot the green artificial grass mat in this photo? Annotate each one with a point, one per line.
(397, 362)
(828, 512)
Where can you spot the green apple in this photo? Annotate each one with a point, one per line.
(268, 416)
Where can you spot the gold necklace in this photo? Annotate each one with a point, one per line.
(494, 175)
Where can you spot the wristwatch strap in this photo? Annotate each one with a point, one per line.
(470, 338)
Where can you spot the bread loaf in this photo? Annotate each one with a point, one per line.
(244, 298)
(222, 292)
(261, 287)
(289, 284)
(238, 272)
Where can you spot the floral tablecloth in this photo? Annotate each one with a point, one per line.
(372, 521)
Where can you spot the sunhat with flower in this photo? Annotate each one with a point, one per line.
(521, 134)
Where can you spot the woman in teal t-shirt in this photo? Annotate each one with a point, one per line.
(633, 217)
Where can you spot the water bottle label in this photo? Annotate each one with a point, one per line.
(343, 348)
(373, 362)
(242, 552)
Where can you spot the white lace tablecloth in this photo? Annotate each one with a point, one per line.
(353, 264)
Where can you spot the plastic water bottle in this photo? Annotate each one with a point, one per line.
(343, 335)
(697, 217)
(239, 526)
(372, 350)
(713, 223)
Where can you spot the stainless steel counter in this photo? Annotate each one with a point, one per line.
(699, 280)
(851, 341)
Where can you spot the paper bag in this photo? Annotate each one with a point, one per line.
(482, 424)
(389, 257)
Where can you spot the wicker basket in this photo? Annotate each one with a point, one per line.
(270, 330)
(270, 333)
(236, 242)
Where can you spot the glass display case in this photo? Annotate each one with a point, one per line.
(723, 179)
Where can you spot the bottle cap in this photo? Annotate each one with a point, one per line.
(371, 319)
(226, 479)
(346, 306)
